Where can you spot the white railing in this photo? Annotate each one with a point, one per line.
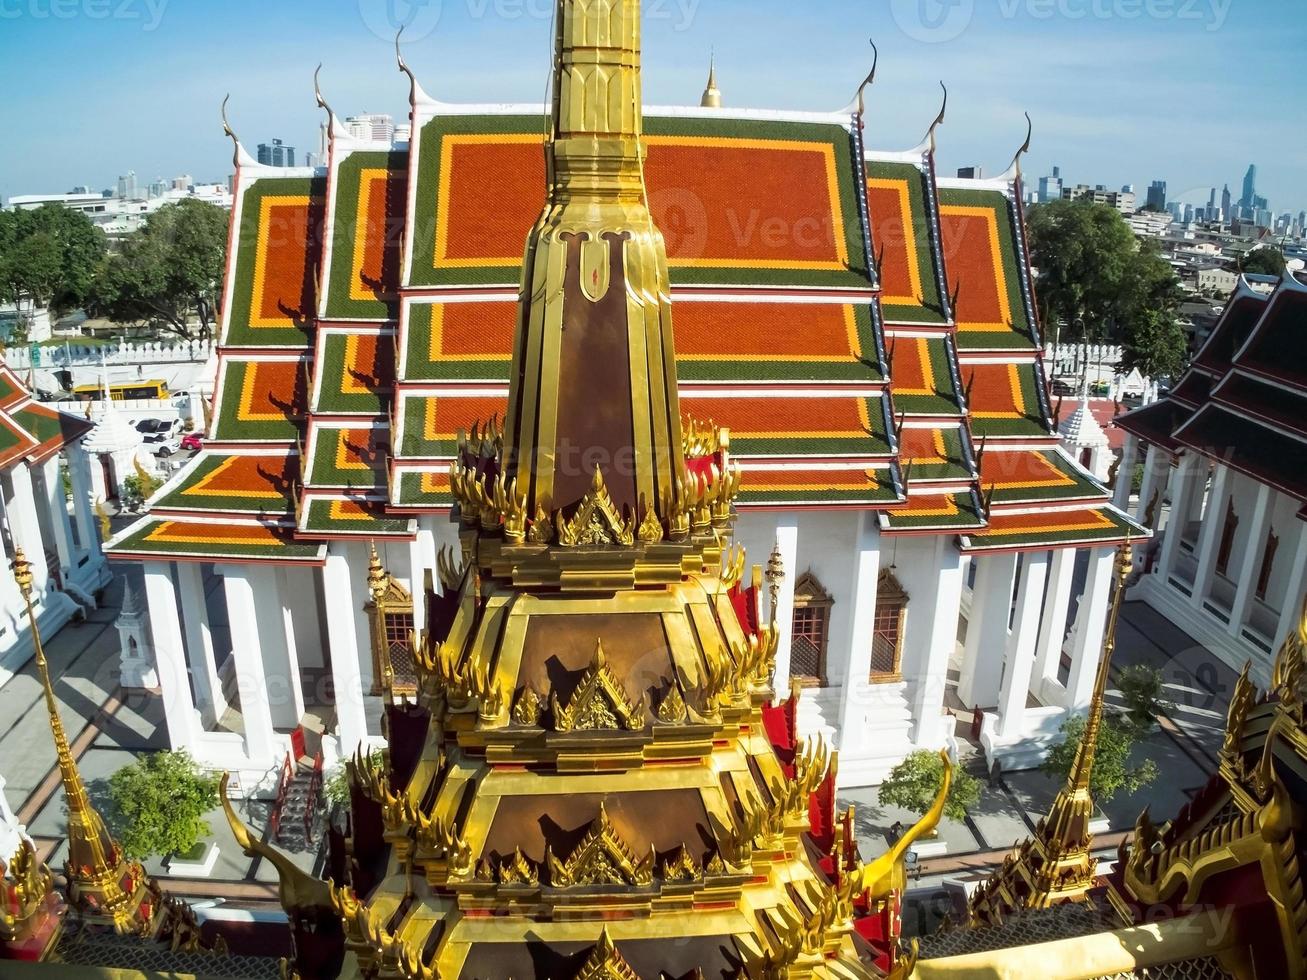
(90, 355)
(1063, 359)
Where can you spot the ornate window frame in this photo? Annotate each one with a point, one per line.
(812, 600)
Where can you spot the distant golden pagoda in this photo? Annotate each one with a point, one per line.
(105, 889)
(597, 793)
(1056, 864)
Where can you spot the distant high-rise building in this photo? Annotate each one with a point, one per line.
(182, 182)
(377, 126)
(1188, 213)
(276, 154)
(1050, 187)
(971, 173)
(127, 186)
(1249, 199)
(311, 159)
(1226, 202)
(1156, 200)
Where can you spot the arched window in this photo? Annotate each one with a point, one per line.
(810, 631)
(887, 629)
(393, 665)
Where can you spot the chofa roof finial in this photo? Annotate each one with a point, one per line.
(870, 79)
(1015, 166)
(939, 119)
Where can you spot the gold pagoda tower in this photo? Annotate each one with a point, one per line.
(596, 794)
(1056, 864)
(106, 891)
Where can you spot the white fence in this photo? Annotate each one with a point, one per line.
(90, 355)
(1064, 359)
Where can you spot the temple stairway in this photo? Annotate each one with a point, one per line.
(873, 747)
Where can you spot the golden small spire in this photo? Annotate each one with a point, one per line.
(712, 95)
(1056, 865)
(101, 882)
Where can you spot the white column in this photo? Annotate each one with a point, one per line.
(1125, 473)
(1291, 610)
(1251, 563)
(944, 600)
(1157, 467)
(1052, 626)
(26, 527)
(422, 543)
(1091, 621)
(987, 629)
(240, 588)
(787, 546)
(342, 639)
(170, 656)
(1209, 535)
(1021, 644)
(79, 472)
(857, 673)
(300, 594)
(199, 643)
(280, 658)
(53, 485)
(1190, 481)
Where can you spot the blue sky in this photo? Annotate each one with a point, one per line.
(1120, 90)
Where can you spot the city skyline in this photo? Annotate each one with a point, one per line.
(119, 87)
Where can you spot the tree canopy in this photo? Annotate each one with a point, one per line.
(161, 800)
(1265, 260)
(915, 781)
(1113, 771)
(48, 257)
(170, 272)
(1104, 283)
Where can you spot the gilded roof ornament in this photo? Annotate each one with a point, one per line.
(600, 858)
(599, 702)
(673, 710)
(596, 519)
(605, 962)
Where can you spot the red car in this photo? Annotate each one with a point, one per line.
(193, 441)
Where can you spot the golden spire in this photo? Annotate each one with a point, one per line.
(101, 883)
(712, 95)
(594, 372)
(1056, 865)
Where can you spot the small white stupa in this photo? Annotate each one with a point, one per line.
(135, 661)
(1085, 439)
(113, 444)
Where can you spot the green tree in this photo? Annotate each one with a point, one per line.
(336, 786)
(1113, 771)
(48, 257)
(1264, 260)
(1155, 343)
(1142, 688)
(168, 273)
(1094, 274)
(161, 800)
(914, 782)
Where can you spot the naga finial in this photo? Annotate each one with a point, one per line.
(870, 79)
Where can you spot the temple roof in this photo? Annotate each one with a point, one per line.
(371, 309)
(1244, 400)
(30, 431)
